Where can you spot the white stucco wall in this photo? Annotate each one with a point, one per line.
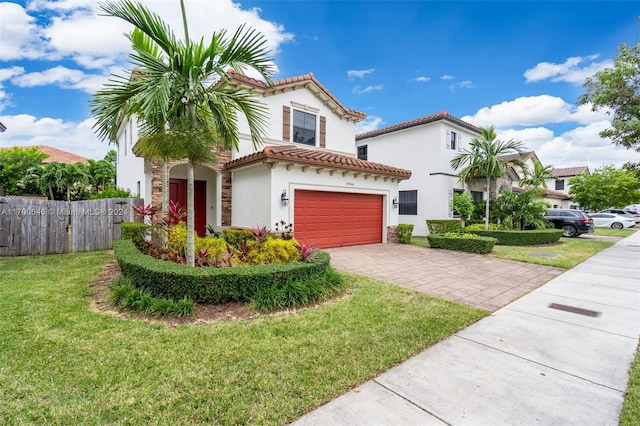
(257, 191)
(340, 133)
(131, 169)
(423, 150)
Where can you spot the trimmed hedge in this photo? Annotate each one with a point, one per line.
(134, 231)
(442, 226)
(405, 232)
(478, 244)
(210, 285)
(521, 238)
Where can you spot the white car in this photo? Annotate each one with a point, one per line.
(610, 220)
(622, 212)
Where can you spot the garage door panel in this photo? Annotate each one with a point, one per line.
(336, 219)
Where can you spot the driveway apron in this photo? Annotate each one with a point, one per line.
(470, 279)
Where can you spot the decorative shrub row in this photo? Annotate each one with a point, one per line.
(125, 295)
(462, 242)
(404, 233)
(210, 285)
(134, 231)
(521, 238)
(442, 226)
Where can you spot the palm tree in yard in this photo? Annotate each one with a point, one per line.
(177, 91)
(482, 160)
(537, 178)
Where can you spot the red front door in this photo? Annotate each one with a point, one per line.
(178, 194)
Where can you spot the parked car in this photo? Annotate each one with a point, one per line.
(572, 222)
(612, 220)
(623, 212)
(634, 208)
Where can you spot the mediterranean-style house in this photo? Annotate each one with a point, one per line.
(306, 173)
(425, 146)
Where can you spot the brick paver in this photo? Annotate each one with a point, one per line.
(471, 279)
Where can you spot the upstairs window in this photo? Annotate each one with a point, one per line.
(408, 202)
(453, 141)
(559, 184)
(304, 128)
(362, 152)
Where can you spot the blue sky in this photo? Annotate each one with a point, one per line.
(517, 65)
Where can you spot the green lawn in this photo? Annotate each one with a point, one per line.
(608, 232)
(568, 253)
(631, 411)
(61, 363)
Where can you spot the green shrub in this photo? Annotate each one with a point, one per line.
(440, 226)
(134, 231)
(209, 285)
(114, 193)
(125, 295)
(521, 238)
(404, 233)
(235, 237)
(480, 226)
(462, 242)
(273, 251)
(300, 293)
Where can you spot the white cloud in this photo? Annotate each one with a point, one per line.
(467, 84)
(574, 70)
(447, 77)
(360, 91)
(63, 77)
(372, 122)
(353, 74)
(7, 74)
(19, 34)
(75, 137)
(532, 137)
(421, 79)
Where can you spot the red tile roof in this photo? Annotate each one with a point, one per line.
(292, 154)
(443, 115)
(570, 171)
(291, 83)
(547, 193)
(57, 155)
(523, 156)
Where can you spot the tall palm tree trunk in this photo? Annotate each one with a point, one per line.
(190, 215)
(486, 209)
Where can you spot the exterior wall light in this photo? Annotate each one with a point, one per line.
(395, 203)
(283, 198)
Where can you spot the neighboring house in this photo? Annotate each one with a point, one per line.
(561, 181)
(56, 155)
(425, 146)
(306, 174)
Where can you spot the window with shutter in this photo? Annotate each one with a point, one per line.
(448, 140)
(286, 124)
(304, 128)
(323, 132)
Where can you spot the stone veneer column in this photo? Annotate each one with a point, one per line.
(392, 234)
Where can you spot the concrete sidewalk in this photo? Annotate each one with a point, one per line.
(527, 363)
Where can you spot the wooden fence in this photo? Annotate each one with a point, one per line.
(32, 227)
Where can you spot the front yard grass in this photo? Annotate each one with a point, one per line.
(631, 411)
(568, 253)
(609, 232)
(62, 363)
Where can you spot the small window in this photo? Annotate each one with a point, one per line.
(304, 128)
(408, 202)
(362, 152)
(126, 138)
(138, 187)
(559, 184)
(477, 196)
(454, 140)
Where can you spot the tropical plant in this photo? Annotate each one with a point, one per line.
(52, 180)
(537, 178)
(15, 163)
(462, 204)
(519, 210)
(179, 93)
(482, 160)
(102, 174)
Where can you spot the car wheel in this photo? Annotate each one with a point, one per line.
(569, 231)
(617, 225)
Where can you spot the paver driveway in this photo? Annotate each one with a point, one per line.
(471, 279)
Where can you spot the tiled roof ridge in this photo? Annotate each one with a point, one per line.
(442, 115)
(317, 157)
(569, 171)
(258, 84)
(56, 154)
(525, 154)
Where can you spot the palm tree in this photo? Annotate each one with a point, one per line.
(178, 91)
(537, 178)
(482, 160)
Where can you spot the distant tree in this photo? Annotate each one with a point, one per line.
(65, 181)
(102, 175)
(17, 162)
(537, 178)
(605, 187)
(462, 204)
(52, 180)
(633, 167)
(482, 160)
(618, 88)
(520, 210)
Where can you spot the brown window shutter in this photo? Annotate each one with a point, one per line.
(323, 132)
(286, 124)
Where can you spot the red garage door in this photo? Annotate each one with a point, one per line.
(337, 219)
